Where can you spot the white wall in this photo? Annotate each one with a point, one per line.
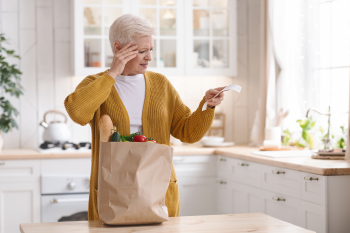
(40, 31)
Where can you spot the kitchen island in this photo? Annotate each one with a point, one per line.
(253, 222)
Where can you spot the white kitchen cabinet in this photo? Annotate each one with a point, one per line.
(196, 175)
(314, 217)
(283, 207)
(211, 40)
(197, 195)
(224, 201)
(246, 172)
(19, 194)
(314, 188)
(191, 39)
(282, 180)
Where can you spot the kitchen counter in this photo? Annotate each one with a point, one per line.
(305, 164)
(254, 222)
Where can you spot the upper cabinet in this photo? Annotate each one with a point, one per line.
(194, 37)
(211, 37)
(167, 17)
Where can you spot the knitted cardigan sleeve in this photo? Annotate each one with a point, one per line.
(190, 127)
(82, 104)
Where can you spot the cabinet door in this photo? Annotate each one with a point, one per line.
(92, 19)
(211, 37)
(224, 201)
(283, 207)
(168, 18)
(314, 217)
(245, 199)
(19, 203)
(197, 195)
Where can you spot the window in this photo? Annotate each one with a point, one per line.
(311, 41)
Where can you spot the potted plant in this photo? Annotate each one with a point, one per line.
(9, 83)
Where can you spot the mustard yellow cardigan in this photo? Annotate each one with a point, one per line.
(163, 114)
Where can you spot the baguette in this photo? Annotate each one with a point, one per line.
(105, 125)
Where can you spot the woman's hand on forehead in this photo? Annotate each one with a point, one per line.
(121, 57)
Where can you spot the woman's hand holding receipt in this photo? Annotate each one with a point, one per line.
(213, 97)
(121, 57)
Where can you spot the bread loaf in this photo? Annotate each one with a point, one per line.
(105, 125)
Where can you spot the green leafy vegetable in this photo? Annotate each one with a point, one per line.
(129, 138)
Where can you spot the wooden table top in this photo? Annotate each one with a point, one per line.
(233, 223)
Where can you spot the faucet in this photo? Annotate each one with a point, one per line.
(326, 141)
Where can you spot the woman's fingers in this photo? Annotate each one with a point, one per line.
(128, 58)
(125, 47)
(128, 50)
(123, 56)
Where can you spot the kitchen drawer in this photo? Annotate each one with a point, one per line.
(314, 188)
(19, 170)
(223, 166)
(283, 207)
(195, 165)
(282, 180)
(64, 166)
(245, 172)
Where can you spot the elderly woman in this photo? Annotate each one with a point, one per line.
(137, 100)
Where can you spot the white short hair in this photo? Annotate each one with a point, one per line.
(128, 28)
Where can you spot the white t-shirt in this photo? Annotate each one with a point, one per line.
(131, 90)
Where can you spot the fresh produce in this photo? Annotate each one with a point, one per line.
(115, 136)
(129, 138)
(140, 138)
(105, 126)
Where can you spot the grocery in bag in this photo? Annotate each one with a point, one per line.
(133, 179)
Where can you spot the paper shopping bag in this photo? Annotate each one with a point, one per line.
(133, 179)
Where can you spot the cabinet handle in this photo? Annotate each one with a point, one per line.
(223, 182)
(278, 199)
(243, 164)
(278, 172)
(310, 178)
(222, 159)
(69, 200)
(2, 163)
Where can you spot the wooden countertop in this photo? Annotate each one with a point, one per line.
(255, 222)
(305, 164)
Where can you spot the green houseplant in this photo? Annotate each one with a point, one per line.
(10, 84)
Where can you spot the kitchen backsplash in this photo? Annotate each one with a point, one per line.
(40, 31)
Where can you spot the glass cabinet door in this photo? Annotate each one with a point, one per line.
(92, 21)
(211, 42)
(164, 16)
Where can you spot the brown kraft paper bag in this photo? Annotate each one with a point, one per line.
(133, 179)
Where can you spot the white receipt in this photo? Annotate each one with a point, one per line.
(227, 88)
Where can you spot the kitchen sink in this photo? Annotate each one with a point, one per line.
(285, 154)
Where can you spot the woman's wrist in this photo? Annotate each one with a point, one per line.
(112, 74)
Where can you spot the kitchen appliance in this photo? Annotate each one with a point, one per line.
(55, 131)
(64, 197)
(65, 145)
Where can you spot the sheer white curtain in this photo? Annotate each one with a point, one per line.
(311, 42)
(287, 28)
